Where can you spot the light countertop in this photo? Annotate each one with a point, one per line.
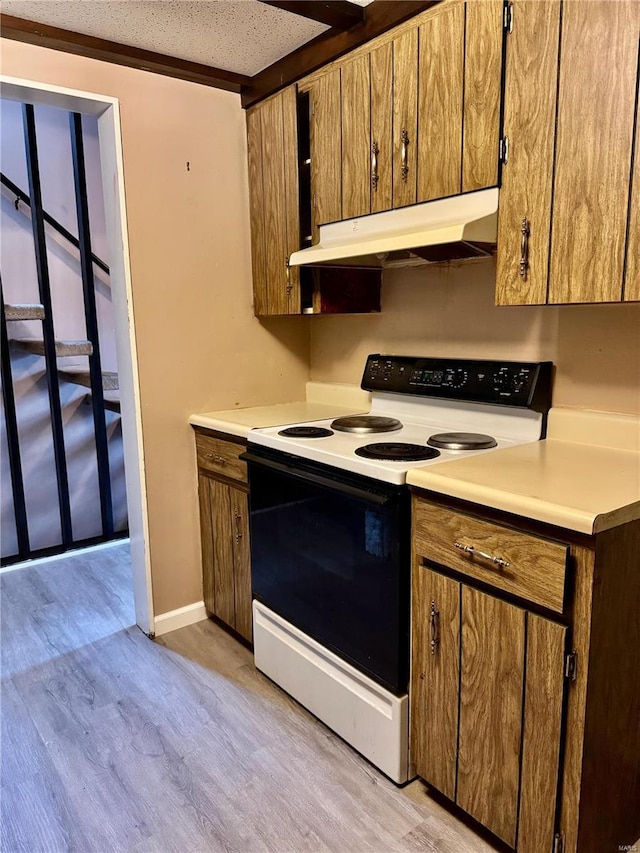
(586, 487)
(324, 400)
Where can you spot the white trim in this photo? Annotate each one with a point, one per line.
(110, 137)
(180, 618)
(77, 552)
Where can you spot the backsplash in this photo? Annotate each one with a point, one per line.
(450, 311)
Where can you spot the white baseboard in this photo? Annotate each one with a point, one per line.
(180, 618)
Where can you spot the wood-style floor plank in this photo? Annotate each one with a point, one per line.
(112, 742)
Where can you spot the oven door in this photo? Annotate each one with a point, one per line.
(330, 554)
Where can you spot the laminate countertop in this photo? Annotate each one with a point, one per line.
(578, 485)
(324, 401)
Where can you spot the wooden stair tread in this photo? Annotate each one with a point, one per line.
(24, 312)
(63, 348)
(80, 376)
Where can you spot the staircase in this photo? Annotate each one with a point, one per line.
(56, 445)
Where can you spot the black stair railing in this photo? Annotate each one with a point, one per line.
(87, 261)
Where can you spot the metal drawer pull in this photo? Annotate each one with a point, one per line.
(375, 150)
(219, 459)
(469, 549)
(435, 628)
(404, 154)
(524, 248)
(238, 529)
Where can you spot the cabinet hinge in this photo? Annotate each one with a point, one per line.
(503, 150)
(558, 843)
(508, 17)
(571, 666)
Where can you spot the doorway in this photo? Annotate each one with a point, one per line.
(103, 111)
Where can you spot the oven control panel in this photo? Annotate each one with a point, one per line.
(509, 383)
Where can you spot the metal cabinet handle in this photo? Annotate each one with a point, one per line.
(525, 230)
(474, 552)
(238, 518)
(288, 273)
(375, 150)
(219, 459)
(435, 627)
(404, 153)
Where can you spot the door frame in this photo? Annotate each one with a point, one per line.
(107, 110)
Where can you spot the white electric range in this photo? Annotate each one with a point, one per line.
(330, 533)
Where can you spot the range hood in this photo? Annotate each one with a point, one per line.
(462, 226)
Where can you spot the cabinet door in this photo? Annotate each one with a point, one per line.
(596, 103)
(491, 684)
(529, 122)
(223, 562)
(632, 277)
(435, 655)
(405, 117)
(543, 702)
(356, 138)
(241, 562)
(382, 127)
(326, 164)
(256, 211)
(482, 88)
(273, 203)
(441, 86)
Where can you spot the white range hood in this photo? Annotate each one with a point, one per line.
(462, 226)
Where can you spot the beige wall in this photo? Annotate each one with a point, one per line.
(200, 348)
(449, 311)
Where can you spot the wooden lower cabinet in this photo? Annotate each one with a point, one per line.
(478, 693)
(226, 562)
(525, 703)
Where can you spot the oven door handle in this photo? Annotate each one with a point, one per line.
(373, 497)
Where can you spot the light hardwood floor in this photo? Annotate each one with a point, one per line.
(112, 742)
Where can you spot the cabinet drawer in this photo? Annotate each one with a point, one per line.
(517, 563)
(221, 457)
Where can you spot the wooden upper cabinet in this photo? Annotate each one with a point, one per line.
(482, 93)
(356, 137)
(326, 153)
(440, 102)
(632, 279)
(405, 117)
(531, 76)
(273, 203)
(381, 65)
(596, 120)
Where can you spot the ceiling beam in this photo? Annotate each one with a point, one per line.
(55, 38)
(381, 15)
(338, 14)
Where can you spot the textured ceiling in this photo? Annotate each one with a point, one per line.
(244, 36)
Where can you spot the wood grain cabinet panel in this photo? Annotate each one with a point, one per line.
(491, 680)
(543, 699)
(326, 150)
(632, 276)
(224, 535)
(405, 117)
(356, 138)
(221, 457)
(536, 568)
(382, 126)
(529, 123)
(482, 94)
(596, 104)
(440, 98)
(435, 640)
(272, 145)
